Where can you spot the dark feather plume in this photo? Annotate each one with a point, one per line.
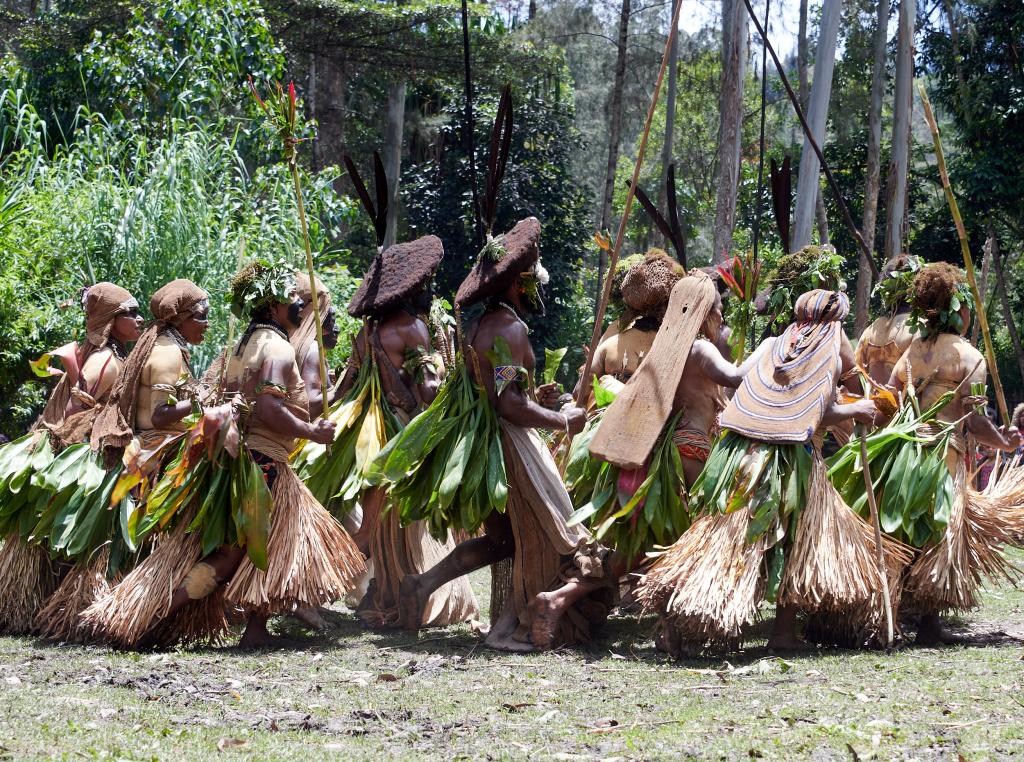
(782, 199)
(497, 160)
(378, 212)
(672, 231)
(678, 239)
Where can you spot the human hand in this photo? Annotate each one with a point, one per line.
(1013, 437)
(547, 396)
(322, 431)
(575, 419)
(863, 411)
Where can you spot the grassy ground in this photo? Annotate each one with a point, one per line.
(358, 695)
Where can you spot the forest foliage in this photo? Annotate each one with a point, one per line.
(131, 148)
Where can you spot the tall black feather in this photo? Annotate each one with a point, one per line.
(678, 239)
(380, 182)
(364, 196)
(652, 211)
(497, 161)
(782, 199)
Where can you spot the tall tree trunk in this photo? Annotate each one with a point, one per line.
(902, 108)
(808, 185)
(327, 105)
(532, 13)
(730, 133)
(871, 184)
(802, 60)
(393, 154)
(670, 117)
(614, 137)
(1004, 299)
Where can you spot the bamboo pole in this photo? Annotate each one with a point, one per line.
(292, 165)
(231, 326)
(965, 249)
(876, 522)
(613, 257)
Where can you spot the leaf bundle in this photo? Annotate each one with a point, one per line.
(215, 471)
(364, 425)
(447, 467)
(655, 514)
(913, 486)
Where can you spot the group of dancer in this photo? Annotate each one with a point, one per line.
(150, 508)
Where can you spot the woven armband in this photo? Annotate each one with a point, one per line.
(274, 390)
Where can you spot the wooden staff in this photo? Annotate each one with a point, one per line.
(965, 249)
(876, 521)
(613, 257)
(231, 327)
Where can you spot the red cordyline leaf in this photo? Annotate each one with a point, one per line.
(291, 93)
(730, 281)
(259, 100)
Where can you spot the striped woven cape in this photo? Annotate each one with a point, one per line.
(785, 395)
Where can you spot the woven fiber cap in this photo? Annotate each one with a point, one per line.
(648, 285)
(395, 275)
(491, 276)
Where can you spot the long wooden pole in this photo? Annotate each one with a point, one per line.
(613, 257)
(876, 521)
(293, 166)
(965, 249)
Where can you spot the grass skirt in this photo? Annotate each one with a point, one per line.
(311, 560)
(397, 551)
(773, 528)
(138, 604)
(83, 585)
(948, 575)
(26, 581)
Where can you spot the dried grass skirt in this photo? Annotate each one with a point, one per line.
(311, 559)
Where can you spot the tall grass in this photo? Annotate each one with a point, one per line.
(117, 205)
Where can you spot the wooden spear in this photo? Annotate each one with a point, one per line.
(965, 249)
(876, 521)
(613, 257)
(282, 110)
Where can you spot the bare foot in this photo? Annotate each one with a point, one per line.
(257, 635)
(311, 617)
(787, 642)
(508, 643)
(930, 632)
(412, 599)
(544, 617)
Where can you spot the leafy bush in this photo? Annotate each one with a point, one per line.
(140, 211)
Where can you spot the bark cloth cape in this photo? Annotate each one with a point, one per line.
(771, 525)
(636, 445)
(548, 551)
(309, 558)
(396, 275)
(115, 424)
(26, 578)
